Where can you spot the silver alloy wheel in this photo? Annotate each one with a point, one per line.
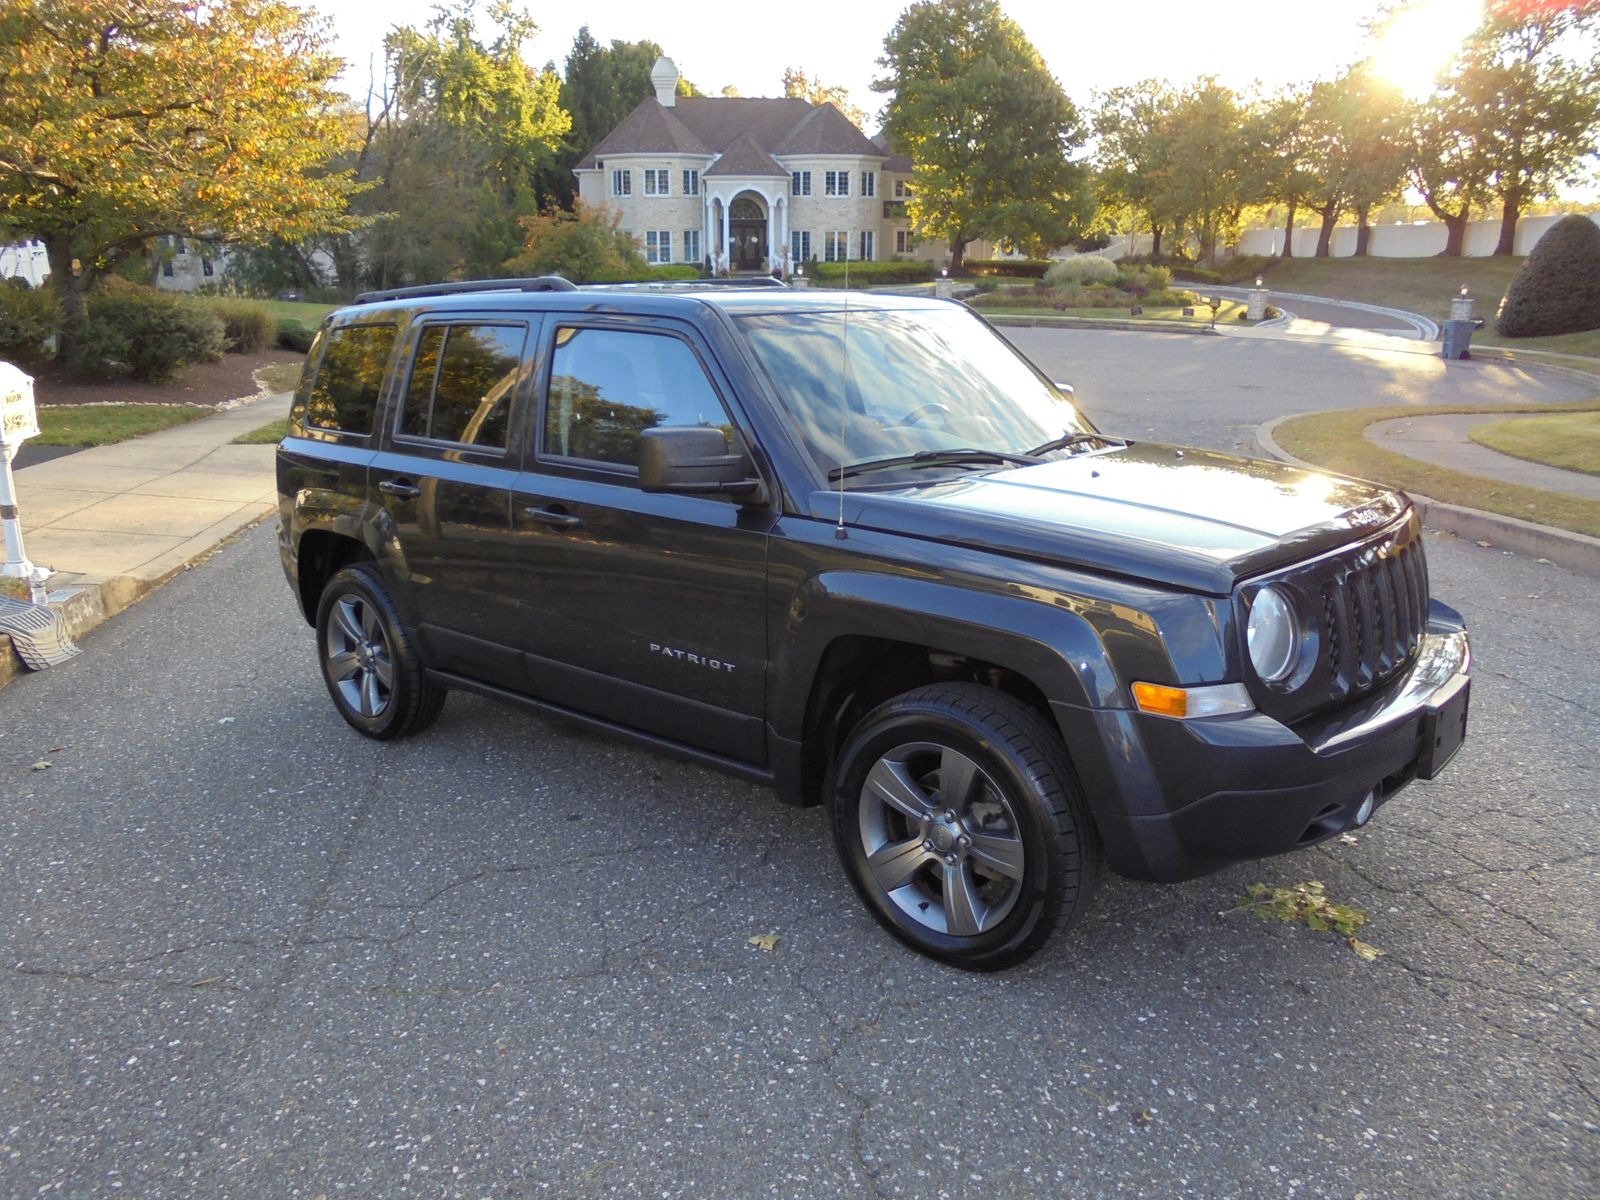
(359, 660)
(942, 841)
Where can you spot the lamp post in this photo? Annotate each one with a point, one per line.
(943, 288)
(1256, 309)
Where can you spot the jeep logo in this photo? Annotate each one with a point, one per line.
(696, 660)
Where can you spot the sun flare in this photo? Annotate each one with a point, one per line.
(1416, 44)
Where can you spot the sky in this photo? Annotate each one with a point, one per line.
(1088, 47)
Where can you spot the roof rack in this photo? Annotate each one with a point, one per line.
(539, 283)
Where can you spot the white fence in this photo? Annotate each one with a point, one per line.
(1419, 240)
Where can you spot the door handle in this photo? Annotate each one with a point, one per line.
(555, 517)
(400, 487)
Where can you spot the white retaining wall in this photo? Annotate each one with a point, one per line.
(1419, 240)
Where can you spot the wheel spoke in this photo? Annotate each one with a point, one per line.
(959, 780)
(963, 911)
(371, 700)
(891, 783)
(894, 864)
(343, 665)
(1001, 855)
(383, 669)
(371, 625)
(344, 616)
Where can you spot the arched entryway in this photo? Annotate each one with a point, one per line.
(747, 233)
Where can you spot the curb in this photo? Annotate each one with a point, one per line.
(85, 606)
(1426, 329)
(1092, 323)
(1575, 551)
(1528, 358)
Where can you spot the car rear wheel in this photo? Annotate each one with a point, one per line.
(368, 661)
(957, 818)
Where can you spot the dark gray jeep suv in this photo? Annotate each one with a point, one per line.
(858, 548)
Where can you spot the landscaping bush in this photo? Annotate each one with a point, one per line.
(1015, 268)
(248, 326)
(1243, 268)
(1079, 270)
(1558, 288)
(143, 333)
(666, 272)
(831, 274)
(1184, 273)
(295, 335)
(28, 319)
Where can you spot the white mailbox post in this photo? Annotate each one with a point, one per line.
(19, 421)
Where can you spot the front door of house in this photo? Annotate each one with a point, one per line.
(747, 236)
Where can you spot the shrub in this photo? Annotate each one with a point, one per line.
(295, 335)
(248, 326)
(1015, 268)
(832, 274)
(1079, 270)
(588, 243)
(1187, 274)
(27, 320)
(1558, 288)
(666, 272)
(144, 333)
(1243, 268)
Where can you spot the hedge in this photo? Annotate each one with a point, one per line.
(1015, 268)
(833, 273)
(144, 333)
(27, 320)
(1557, 289)
(666, 273)
(248, 326)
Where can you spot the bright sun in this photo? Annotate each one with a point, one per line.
(1420, 39)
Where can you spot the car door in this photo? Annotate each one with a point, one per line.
(444, 477)
(645, 609)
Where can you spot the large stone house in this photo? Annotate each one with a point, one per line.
(748, 184)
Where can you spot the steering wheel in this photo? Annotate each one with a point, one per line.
(919, 415)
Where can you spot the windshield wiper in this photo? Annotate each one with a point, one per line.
(932, 458)
(1068, 440)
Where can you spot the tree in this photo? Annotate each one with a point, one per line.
(1447, 165)
(1530, 77)
(1135, 153)
(1356, 151)
(587, 243)
(122, 121)
(1281, 132)
(1206, 162)
(797, 85)
(986, 125)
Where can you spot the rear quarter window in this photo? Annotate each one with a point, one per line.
(343, 395)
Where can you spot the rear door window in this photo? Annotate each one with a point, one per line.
(349, 380)
(462, 383)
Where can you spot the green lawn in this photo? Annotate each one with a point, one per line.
(300, 311)
(105, 424)
(1569, 440)
(1337, 442)
(269, 434)
(1229, 312)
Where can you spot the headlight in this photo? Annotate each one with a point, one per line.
(1272, 635)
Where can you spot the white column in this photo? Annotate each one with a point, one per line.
(727, 234)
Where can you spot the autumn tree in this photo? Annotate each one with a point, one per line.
(986, 125)
(797, 85)
(1134, 154)
(583, 244)
(125, 120)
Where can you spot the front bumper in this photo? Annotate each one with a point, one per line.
(1175, 799)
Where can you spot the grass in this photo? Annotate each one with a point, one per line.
(1336, 441)
(1587, 342)
(269, 434)
(106, 424)
(1229, 312)
(1567, 440)
(280, 377)
(302, 312)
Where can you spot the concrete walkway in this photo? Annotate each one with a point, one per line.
(113, 522)
(1445, 442)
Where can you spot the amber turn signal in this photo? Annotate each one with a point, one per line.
(1213, 700)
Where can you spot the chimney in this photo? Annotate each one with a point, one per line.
(665, 77)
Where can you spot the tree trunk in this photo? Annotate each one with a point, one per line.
(70, 290)
(1288, 228)
(1155, 243)
(1510, 212)
(958, 255)
(1330, 214)
(1363, 229)
(1455, 240)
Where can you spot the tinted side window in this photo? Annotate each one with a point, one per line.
(607, 386)
(349, 378)
(462, 383)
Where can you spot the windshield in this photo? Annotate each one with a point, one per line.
(874, 384)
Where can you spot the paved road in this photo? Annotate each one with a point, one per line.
(1215, 391)
(246, 953)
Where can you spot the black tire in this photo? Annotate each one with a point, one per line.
(369, 664)
(959, 821)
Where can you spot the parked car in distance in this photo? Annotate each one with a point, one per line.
(856, 547)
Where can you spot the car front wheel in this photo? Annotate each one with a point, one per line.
(958, 820)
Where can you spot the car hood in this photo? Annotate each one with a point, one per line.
(1189, 518)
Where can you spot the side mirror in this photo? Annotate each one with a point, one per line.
(694, 460)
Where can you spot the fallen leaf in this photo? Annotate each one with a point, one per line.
(765, 941)
(1143, 1117)
(1349, 839)
(226, 721)
(1485, 544)
(1365, 950)
(41, 765)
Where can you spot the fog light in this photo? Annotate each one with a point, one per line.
(1368, 803)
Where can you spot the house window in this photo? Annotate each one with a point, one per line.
(800, 183)
(866, 245)
(869, 183)
(691, 183)
(658, 246)
(800, 245)
(904, 243)
(622, 182)
(657, 183)
(836, 183)
(902, 190)
(691, 245)
(835, 246)
(205, 267)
